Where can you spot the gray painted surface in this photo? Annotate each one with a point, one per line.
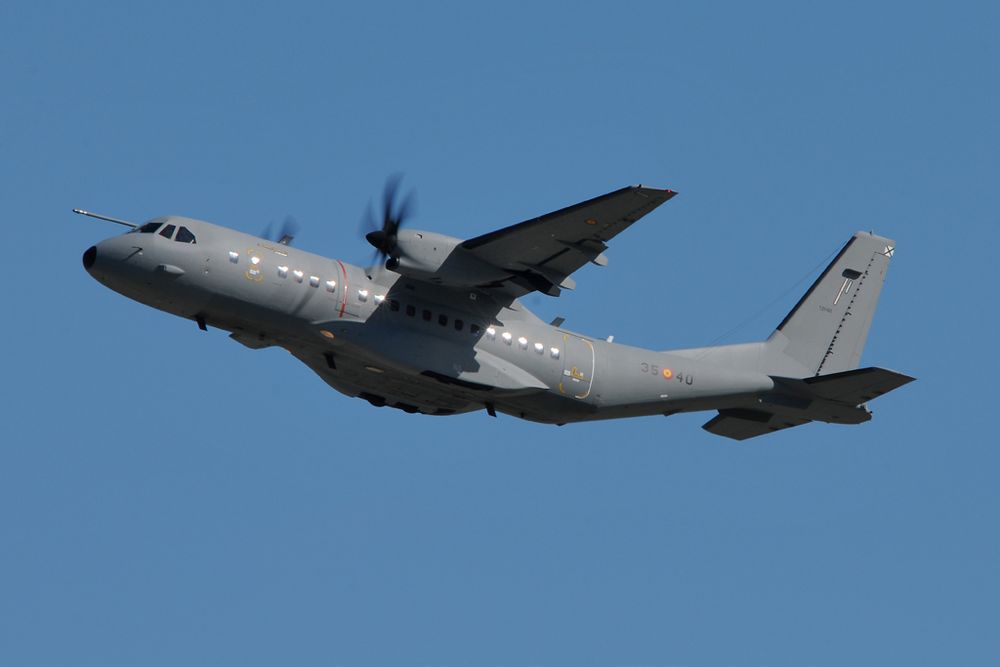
(445, 333)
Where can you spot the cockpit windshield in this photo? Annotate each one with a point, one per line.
(184, 234)
(147, 228)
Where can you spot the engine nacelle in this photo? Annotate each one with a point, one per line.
(438, 259)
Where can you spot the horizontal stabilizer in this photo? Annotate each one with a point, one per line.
(837, 398)
(854, 387)
(741, 423)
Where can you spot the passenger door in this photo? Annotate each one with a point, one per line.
(578, 366)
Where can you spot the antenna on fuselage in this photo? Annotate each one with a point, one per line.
(105, 217)
(289, 228)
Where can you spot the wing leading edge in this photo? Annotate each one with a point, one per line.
(541, 253)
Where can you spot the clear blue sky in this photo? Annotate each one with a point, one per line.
(168, 497)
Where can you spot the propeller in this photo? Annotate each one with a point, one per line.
(395, 211)
(286, 232)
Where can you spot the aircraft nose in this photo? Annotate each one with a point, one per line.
(89, 257)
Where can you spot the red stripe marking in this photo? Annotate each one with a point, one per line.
(343, 302)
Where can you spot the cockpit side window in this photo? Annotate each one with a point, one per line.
(149, 227)
(168, 231)
(184, 235)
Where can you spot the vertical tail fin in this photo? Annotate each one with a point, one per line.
(826, 330)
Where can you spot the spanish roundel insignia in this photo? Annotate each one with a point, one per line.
(667, 373)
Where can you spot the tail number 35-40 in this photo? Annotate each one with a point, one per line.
(666, 373)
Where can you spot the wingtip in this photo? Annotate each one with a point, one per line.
(667, 192)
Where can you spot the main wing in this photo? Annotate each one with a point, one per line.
(541, 253)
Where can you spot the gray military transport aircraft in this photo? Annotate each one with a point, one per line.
(435, 325)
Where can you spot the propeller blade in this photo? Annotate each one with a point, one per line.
(394, 213)
(388, 199)
(367, 223)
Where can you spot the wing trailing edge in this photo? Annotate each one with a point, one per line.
(540, 254)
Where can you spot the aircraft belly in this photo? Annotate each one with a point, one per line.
(501, 374)
(548, 407)
(382, 385)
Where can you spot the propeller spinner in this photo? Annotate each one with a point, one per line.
(395, 211)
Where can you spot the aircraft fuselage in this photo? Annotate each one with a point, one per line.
(410, 344)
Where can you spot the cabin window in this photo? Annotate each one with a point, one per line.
(522, 343)
(313, 281)
(474, 329)
(411, 309)
(443, 320)
(426, 315)
(507, 338)
(554, 352)
(184, 235)
(362, 295)
(234, 257)
(298, 276)
(539, 348)
(459, 324)
(331, 285)
(282, 271)
(168, 231)
(393, 305)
